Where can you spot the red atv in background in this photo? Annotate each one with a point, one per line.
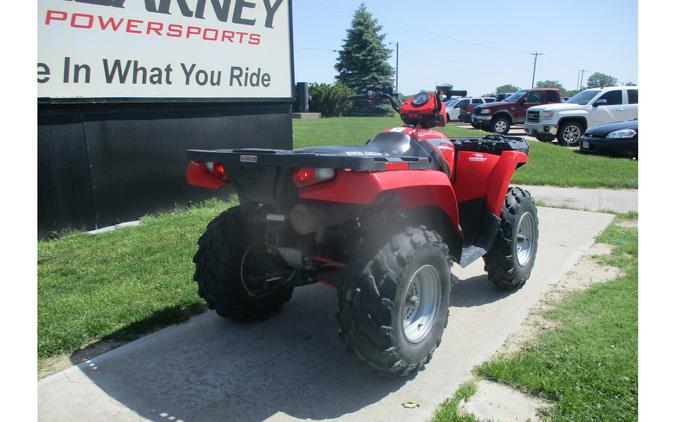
(381, 222)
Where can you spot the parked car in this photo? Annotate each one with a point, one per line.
(466, 111)
(619, 138)
(498, 117)
(589, 108)
(454, 110)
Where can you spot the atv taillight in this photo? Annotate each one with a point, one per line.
(218, 170)
(307, 176)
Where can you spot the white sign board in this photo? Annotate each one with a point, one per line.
(164, 49)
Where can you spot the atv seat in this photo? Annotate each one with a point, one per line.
(384, 144)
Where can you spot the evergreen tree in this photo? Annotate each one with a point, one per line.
(363, 59)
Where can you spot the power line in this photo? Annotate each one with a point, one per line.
(408, 26)
(315, 48)
(435, 34)
(442, 36)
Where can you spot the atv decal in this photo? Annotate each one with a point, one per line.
(366, 153)
(477, 157)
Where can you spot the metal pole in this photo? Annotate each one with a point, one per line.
(581, 81)
(534, 71)
(397, 68)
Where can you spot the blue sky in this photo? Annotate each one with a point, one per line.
(477, 45)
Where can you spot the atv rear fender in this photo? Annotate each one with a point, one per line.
(415, 189)
(501, 177)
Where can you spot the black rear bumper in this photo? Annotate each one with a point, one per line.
(607, 146)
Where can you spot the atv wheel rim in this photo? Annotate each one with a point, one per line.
(422, 300)
(500, 126)
(571, 135)
(524, 239)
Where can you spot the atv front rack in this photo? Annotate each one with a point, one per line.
(359, 161)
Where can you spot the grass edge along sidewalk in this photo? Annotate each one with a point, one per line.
(587, 366)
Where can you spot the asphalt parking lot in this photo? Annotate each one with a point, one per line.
(293, 367)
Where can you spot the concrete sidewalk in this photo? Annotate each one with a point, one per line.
(293, 366)
(585, 199)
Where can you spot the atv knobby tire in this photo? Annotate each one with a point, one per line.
(218, 270)
(373, 300)
(504, 267)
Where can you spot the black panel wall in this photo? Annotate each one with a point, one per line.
(101, 164)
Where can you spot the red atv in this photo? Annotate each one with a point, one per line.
(381, 222)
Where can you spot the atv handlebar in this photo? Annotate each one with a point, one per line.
(378, 94)
(444, 90)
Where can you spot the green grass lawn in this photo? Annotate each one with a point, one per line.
(587, 366)
(449, 411)
(549, 164)
(119, 284)
(354, 130)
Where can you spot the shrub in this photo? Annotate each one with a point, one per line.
(330, 99)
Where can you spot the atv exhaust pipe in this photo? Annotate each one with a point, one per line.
(309, 218)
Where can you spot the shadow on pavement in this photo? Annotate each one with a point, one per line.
(476, 291)
(211, 369)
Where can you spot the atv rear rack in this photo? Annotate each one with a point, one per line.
(360, 161)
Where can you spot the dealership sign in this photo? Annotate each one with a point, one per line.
(230, 49)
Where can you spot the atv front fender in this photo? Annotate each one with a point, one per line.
(415, 188)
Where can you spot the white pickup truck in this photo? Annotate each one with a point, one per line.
(592, 107)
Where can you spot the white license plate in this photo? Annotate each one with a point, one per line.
(585, 144)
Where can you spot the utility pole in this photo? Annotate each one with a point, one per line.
(534, 71)
(581, 81)
(397, 68)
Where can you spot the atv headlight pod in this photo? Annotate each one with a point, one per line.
(420, 99)
(547, 114)
(621, 134)
(485, 111)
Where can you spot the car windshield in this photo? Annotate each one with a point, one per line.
(516, 96)
(583, 97)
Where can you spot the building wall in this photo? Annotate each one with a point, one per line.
(104, 163)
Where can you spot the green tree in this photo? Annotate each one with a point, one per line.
(503, 89)
(555, 84)
(601, 80)
(362, 61)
